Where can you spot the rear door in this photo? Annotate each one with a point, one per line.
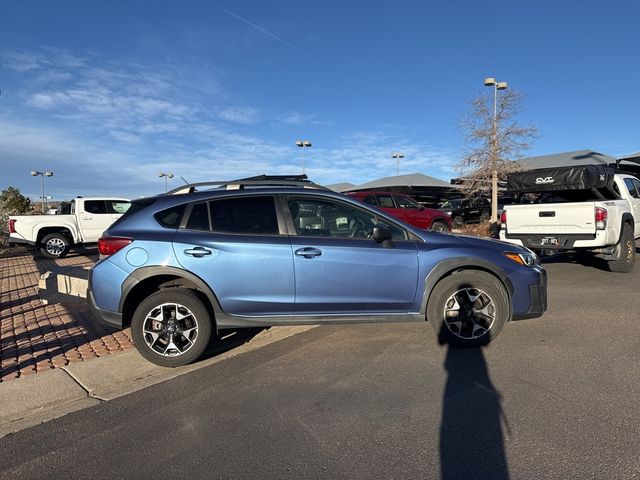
(242, 251)
(93, 219)
(340, 270)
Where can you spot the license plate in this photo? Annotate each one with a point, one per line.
(549, 241)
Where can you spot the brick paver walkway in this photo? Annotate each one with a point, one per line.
(36, 337)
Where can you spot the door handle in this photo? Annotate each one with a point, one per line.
(308, 252)
(197, 252)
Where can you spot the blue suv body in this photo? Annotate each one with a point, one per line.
(266, 252)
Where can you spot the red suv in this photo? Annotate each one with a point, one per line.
(406, 209)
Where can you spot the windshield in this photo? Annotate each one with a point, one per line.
(451, 204)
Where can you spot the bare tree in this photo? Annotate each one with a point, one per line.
(493, 142)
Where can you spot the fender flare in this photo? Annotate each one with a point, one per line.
(450, 265)
(154, 271)
(71, 228)
(626, 218)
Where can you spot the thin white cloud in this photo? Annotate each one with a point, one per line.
(242, 115)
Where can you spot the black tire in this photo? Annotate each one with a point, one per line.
(166, 304)
(457, 222)
(626, 250)
(438, 226)
(485, 217)
(457, 290)
(54, 245)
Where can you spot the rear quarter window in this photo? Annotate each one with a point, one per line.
(171, 217)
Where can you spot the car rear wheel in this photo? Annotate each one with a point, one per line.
(171, 327)
(626, 252)
(55, 245)
(468, 308)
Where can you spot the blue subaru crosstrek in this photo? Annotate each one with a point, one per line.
(270, 251)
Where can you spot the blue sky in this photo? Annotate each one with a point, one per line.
(108, 94)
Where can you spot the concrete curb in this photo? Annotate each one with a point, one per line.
(39, 398)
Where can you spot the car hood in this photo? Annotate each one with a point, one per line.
(454, 240)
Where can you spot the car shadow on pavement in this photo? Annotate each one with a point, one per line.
(471, 435)
(228, 340)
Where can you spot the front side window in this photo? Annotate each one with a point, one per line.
(327, 218)
(406, 202)
(95, 206)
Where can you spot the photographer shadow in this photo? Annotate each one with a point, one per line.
(471, 432)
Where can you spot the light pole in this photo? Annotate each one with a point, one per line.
(491, 82)
(303, 144)
(35, 173)
(397, 156)
(166, 176)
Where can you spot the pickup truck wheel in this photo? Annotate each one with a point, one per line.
(439, 226)
(54, 245)
(457, 222)
(468, 308)
(626, 250)
(171, 327)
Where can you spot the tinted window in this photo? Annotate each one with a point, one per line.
(386, 201)
(637, 185)
(371, 199)
(95, 206)
(117, 207)
(249, 215)
(170, 217)
(631, 187)
(199, 218)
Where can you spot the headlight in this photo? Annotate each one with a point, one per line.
(449, 213)
(526, 259)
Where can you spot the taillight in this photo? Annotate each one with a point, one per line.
(12, 225)
(601, 215)
(503, 219)
(110, 245)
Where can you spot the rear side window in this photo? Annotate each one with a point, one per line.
(95, 206)
(199, 218)
(371, 199)
(247, 215)
(170, 217)
(631, 187)
(386, 201)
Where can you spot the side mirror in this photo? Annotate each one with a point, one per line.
(381, 233)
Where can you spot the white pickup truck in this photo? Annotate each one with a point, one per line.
(54, 235)
(589, 208)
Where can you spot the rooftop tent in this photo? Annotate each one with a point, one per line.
(581, 177)
(425, 189)
(566, 159)
(341, 187)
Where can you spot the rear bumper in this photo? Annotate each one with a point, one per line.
(538, 299)
(105, 317)
(564, 241)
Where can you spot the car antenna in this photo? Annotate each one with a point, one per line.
(184, 180)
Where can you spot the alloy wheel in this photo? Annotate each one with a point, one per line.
(170, 329)
(469, 313)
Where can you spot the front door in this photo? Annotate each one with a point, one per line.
(93, 219)
(339, 269)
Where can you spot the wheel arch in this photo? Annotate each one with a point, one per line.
(627, 218)
(454, 265)
(145, 281)
(44, 231)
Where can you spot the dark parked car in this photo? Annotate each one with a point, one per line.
(181, 266)
(407, 209)
(472, 210)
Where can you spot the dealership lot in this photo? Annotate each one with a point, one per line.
(551, 398)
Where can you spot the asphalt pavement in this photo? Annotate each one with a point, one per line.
(554, 397)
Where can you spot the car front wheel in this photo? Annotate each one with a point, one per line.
(171, 327)
(468, 308)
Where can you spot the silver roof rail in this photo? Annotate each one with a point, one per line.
(257, 181)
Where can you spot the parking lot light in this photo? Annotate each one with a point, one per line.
(303, 144)
(166, 176)
(397, 156)
(46, 173)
